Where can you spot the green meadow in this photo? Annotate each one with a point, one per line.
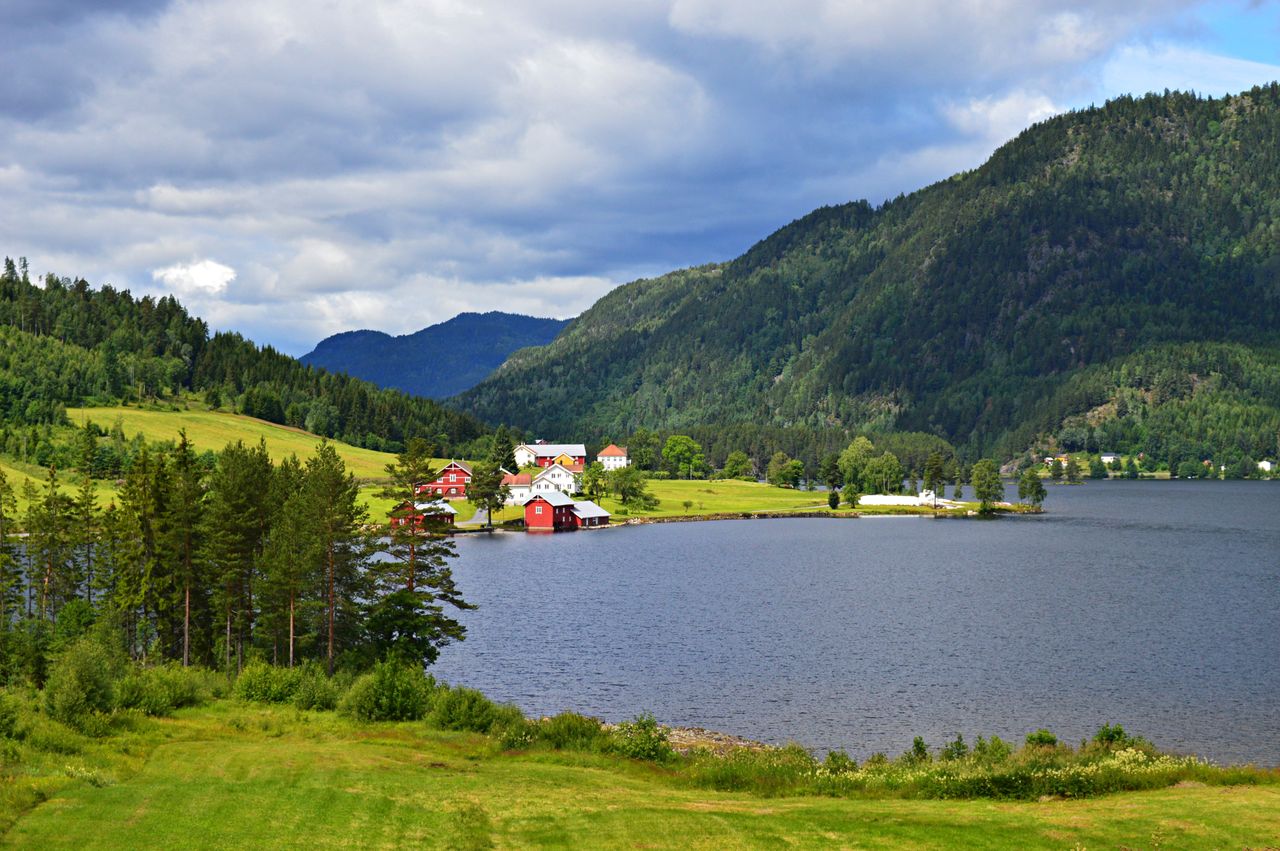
(247, 775)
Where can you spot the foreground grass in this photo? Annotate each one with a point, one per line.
(231, 775)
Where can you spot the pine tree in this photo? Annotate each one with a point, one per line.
(10, 572)
(183, 529)
(333, 497)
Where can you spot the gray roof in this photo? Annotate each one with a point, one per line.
(570, 449)
(587, 508)
(436, 507)
(556, 498)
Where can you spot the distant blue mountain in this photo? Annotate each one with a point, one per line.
(437, 361)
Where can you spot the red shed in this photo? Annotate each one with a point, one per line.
(549, 512)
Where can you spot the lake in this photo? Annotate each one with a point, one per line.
(1155, 605)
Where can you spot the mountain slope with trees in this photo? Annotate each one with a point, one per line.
(64, 343)
(988, 308)
(438, 361)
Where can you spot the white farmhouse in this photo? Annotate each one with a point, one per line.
(613, 457)
(1266, 466)
(557, 477)
(546, 454)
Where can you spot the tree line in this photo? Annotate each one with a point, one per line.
(214, 560)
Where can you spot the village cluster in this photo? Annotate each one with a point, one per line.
(547, 495)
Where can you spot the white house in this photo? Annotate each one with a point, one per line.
(1108, 457)
(613, 457)
(557, 477)
(1266, 466)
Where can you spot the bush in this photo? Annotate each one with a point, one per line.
(772, 771)
(571, 731)
(955, 750)
(267, 683)
(316, 690)
(642, 738)
(159, 691)
(992, 750)
(8, 716)
(80, 690)
(393, 691)
(839, 762)
(1112, 736)
(1042, 738)
(460, 708)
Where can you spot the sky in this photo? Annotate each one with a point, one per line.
(294, 168)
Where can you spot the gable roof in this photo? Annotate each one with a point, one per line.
(551, 450)
(554, 498)
(613, 450)
(436, 507)
(546, 471)
(587, 508)
(517, 479)
(461, 465)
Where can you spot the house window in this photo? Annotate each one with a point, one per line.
(453, 477)
(537, 509)
(453, 490)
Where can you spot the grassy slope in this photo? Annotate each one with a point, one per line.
(235, 776)
(213, 430)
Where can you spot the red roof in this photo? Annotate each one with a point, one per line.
(613, 451)
(517, 479)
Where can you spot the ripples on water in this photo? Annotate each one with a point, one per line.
(1152, 604)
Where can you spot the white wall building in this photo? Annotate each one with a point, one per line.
(613, 457)
(555, 478)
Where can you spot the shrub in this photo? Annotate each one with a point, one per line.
(267, 683)
(918, 754)
(642, 738)
(955, 750)
(316, 690)
(839, 762)
(1042, 738)
(8, 716)
(393, 691)
(81, 689)
(466, 709)
(1112, 736)
(571, 731)
(159, 691)
(992, 750)
(772, 771)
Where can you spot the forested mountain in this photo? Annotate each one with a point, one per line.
(1127, 252)
(438, 361)
(66, 343)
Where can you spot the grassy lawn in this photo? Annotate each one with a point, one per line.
(213, 430)
(728, 495)
(230, 775)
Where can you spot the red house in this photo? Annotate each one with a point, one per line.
(422, 512)
(451, 483)
(549, 512)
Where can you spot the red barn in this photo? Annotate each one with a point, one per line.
(451, 483)
(423, 511)
(549, 512)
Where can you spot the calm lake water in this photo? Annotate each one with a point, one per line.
(1151, 604)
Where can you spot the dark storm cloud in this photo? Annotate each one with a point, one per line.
(294, 168)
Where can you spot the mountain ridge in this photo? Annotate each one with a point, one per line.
(960, 309)
(437, 361)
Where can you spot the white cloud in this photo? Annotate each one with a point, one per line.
(200, 278)
(1139, 69)
(391, 163)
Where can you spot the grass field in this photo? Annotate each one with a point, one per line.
(231, 775)
(715, 497)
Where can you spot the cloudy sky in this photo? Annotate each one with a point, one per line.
(293, 168)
